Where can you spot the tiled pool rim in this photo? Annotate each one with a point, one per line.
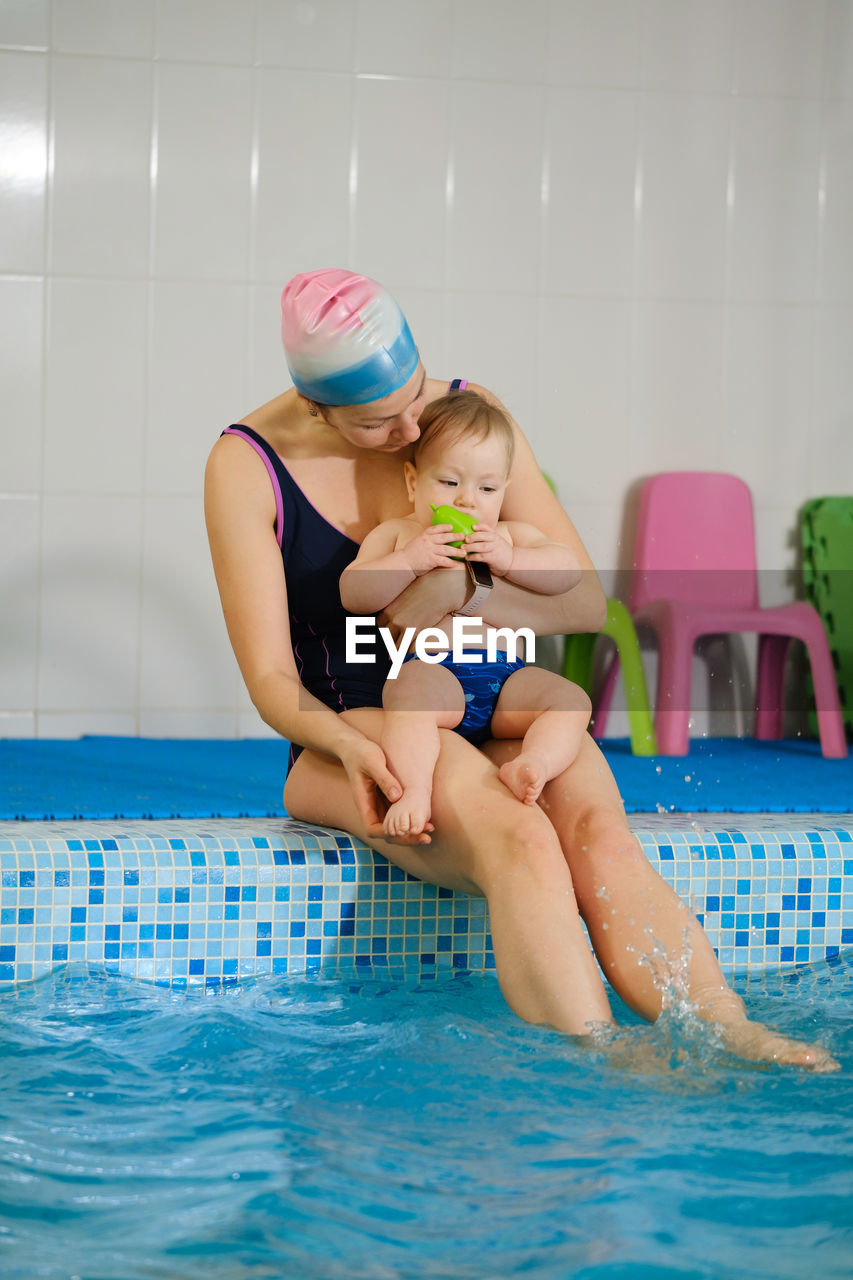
(215, 901)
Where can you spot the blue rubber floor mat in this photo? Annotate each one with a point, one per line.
(96, 777)
(733, 775)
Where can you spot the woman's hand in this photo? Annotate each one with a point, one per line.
(374, 787)
(426, 601)
(484, 543)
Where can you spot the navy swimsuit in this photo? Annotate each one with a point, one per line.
(315, 555)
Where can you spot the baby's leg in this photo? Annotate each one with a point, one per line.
(552, 716)
(421, 700)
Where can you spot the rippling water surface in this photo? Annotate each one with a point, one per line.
(317, 1129)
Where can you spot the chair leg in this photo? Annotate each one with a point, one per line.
(833, 742)
(577, 659)
(770, 686)
(604, 696)
(672, 703)
(620, 627)
(578, 653)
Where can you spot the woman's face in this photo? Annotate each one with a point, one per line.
(388, 424)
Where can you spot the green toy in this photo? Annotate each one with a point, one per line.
(458, 521)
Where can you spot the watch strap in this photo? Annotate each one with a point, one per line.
(480, 592)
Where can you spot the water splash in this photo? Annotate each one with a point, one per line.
(670, 975)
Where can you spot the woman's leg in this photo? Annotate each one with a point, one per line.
(421, 700)
(484, 842)
(551, 715)
(645, 938)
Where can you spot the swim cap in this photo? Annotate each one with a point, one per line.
(345, 339)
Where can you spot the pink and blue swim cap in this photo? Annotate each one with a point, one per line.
(345, 339)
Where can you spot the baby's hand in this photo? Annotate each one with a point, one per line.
(430, 550)
(483, 543)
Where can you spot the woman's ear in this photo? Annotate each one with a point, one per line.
(313, 409)
(410, 472)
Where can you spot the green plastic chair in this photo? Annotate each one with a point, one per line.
(577, 666)
(826, 531)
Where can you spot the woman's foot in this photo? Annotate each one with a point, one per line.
(409, 815)
(725, 1013)
(525, 776)
(762, 1044)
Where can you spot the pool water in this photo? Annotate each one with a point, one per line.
(313, 1128)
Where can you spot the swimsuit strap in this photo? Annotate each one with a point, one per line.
(264, 451)
(458, 384)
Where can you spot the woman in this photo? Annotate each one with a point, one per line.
(290, 493)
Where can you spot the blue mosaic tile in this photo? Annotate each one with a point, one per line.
(168, 903)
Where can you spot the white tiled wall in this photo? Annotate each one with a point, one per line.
(631, 218)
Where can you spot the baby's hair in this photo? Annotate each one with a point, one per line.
(463, 414)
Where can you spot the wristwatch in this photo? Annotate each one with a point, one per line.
(480, 579)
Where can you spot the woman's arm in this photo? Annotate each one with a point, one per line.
(529, 498)
(240, 516)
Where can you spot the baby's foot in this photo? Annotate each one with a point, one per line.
(761, 1044)
(409, 815)
(525, 776)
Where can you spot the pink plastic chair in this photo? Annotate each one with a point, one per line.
(695, 575)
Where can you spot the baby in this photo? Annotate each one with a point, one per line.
(463, 459)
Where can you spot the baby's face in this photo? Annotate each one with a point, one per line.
(470, 475)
